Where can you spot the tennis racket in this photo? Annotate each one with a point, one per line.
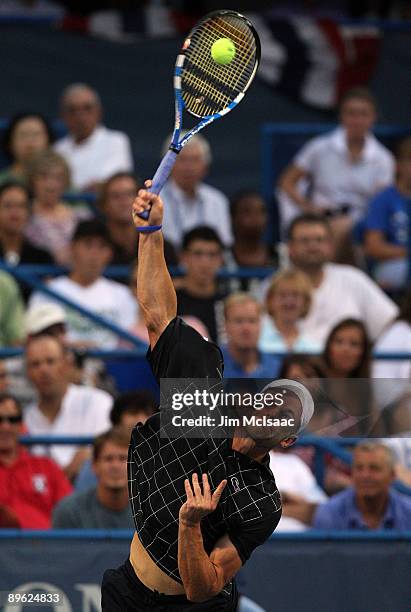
(204, 88)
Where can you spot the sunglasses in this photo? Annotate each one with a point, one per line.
(13, 420)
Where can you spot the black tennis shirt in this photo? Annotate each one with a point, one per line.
(250, 506)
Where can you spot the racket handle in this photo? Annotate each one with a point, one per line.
(161, 176)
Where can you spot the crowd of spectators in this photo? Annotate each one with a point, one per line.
(334, 291)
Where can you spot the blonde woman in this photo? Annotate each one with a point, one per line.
(288, 301)
(53, 222)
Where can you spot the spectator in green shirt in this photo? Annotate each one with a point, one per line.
(11, 311)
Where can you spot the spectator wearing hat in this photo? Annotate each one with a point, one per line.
(90, 254)
(29, 486)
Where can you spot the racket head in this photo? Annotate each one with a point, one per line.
(207, 88)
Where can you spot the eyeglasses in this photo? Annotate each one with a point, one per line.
(12, 420)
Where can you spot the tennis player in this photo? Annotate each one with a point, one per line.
(200, 506)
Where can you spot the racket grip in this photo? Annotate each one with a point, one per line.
(163, 171)
(161, 176)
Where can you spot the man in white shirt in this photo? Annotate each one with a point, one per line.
(93, 152)
(344, 168)
(188, 202)
(340, 291)
(62, 409)
(91, 252)
(300, 493)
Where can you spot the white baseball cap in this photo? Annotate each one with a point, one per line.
(42, 316)
(303, 394)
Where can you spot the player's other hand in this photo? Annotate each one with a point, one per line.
(199, 502)
(146, 200)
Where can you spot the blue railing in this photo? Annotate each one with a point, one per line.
(127, 534)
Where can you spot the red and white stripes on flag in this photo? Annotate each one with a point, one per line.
(316, 60)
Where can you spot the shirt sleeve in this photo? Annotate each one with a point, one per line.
(61, 485)
(248, 535)
(181, 352)
(63, 516)
(305, 158)
(323, 518)
(378, 310)
(11, 311)
(376, 218)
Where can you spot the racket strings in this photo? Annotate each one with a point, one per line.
(208, 87)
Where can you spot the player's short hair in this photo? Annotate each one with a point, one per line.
(201, 232)
(240, 297)
(307, 219)
(359, 93)
(301, 282)
(117, 435)
(371, 446)
(6, 397)
(133, 402)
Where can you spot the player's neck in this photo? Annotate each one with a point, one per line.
(112, 499)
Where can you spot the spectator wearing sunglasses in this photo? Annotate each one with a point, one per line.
(30, 486)
(93, 152)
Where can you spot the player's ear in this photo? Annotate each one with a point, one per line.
(288, 441)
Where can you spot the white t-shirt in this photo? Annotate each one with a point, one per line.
(105, 297)
(98, 157)
(347, 292)
(392, 378)
(396, 339)
(293, 476)
(336, 179)
(181, 213)
(84, 412)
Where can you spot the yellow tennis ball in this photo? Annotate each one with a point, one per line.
(223, 51)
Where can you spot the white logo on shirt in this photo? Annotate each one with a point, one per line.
(39, 483)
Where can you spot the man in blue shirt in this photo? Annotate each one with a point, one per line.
(387, 225)
(371, 503)
(242, 359)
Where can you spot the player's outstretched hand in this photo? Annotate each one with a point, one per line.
(199, 503)
(146, 200)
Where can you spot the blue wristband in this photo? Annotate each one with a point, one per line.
(149, 229)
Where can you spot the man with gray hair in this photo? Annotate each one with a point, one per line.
(188, 201)
(93, 152)
(372, 502)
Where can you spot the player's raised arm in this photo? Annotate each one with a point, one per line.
(155, 291)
